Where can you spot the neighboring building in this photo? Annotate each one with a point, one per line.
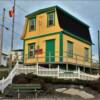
(4, 59)
(17, 55)
(53, 36)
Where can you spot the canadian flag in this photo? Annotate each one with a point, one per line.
(11, 11)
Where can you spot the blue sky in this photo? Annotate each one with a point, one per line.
(88, 11)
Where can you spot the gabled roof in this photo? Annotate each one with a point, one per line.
(68, 23)
(73, 25)
(53, 8)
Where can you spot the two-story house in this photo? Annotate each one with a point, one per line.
(53, 36)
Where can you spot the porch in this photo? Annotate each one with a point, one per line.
(67, 62)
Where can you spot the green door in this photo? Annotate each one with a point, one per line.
(50, 50)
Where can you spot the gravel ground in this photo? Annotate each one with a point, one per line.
(45, 95)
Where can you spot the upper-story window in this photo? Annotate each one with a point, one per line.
(50, 18)
(32, 24)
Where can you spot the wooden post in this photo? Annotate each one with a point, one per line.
(76, 63)
(84, 69)
(37, 52)
(49, 59)
(84, 64)
(98, 68)
(78, 72)
(67, 67)
(58, 71)
(91, 66)
(67, 63)
(37, 68)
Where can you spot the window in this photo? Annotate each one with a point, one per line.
(32, 24)
(4, 58)
(50, 18)
(70, 49)
(31, 49)
(86, 55)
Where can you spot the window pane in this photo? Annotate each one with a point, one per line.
(31, 50)
(70, 49)
(32, 24)
(51, 19)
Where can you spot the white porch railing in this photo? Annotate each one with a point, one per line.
(46, 72)
(56, 72)
(5, 82)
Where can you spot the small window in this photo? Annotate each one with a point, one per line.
(4, 58)
(50, 18)
(31, 50)
(70, 49)
(32, 24)
(86, 55)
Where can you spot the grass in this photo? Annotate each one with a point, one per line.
(3, 74)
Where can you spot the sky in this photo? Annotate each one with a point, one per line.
(87, 11)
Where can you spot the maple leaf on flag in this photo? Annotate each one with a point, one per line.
(11, 11)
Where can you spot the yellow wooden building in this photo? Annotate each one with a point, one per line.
(53, 36)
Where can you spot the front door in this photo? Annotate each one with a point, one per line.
(50, 50)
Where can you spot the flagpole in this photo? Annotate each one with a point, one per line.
(1, 39)
(99, 46)
(13, 26)
(12, 37)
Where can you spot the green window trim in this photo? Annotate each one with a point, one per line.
(30, 24)
(61, 46)
(52, 12)
(70, 49)
(40, 36)
(31, 49)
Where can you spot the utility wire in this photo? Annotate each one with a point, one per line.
(4, 27)
(22, 9)
(8, 29)
(16, 23)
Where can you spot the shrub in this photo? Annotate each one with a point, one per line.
(2, 66)
(20, 62)
(29, 77)
(3, 74)
(20, 79)
(50, 91)
(95, 85)
(33, 79)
